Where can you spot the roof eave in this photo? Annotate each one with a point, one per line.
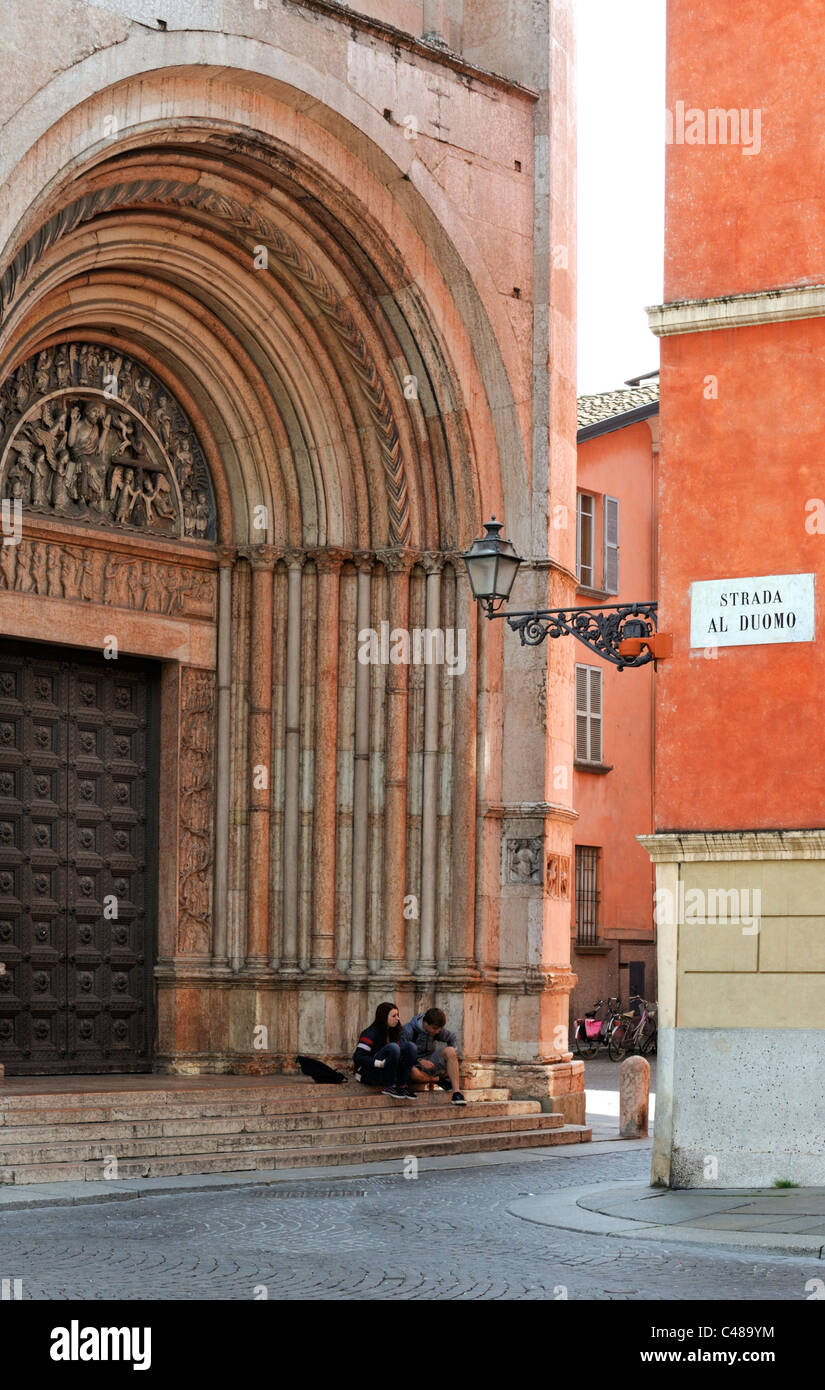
(617, 422)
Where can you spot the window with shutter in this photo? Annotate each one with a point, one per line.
(585, 532)
(611, 545)
(588, 714)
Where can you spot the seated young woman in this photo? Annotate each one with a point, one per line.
(382, 1059)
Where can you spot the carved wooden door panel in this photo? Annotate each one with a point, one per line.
(76, 862)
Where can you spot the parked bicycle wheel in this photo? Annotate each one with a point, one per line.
(587, 1047)
(649, 1043)
(617, 1048)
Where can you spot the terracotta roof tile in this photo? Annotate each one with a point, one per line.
(592, 410)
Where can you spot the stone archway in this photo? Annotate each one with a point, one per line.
(325, 845)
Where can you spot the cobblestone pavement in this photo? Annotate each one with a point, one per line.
(445, 1235)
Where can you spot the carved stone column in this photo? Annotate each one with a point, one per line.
(398, 566)
(432, 564)
(360, 806)
(292, 780)
(223, 753)
(328, 565)
(463, 946)
(262, 559)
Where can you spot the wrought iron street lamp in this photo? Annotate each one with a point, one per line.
(621, 633)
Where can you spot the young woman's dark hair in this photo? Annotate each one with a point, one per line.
(382, 1013)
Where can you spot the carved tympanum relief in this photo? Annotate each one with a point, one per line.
(90, 435)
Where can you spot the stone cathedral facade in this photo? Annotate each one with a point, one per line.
(286, 311)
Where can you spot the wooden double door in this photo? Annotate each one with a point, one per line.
(78, 856)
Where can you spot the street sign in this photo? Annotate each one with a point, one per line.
(752, 611)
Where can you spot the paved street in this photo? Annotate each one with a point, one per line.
(445, 1235)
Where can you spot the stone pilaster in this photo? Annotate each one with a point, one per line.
(328, 566)
(223, 753)
(262, 559)
(397, 565)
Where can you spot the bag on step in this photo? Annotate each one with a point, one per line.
(320, 1072)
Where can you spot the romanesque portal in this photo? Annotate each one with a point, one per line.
(248, 414)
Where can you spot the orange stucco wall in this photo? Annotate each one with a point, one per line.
(737, 221)
(615, 807)
(739, 734)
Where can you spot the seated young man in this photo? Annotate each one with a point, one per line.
(437, 1052)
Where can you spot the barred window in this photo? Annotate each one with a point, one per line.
(587, 894)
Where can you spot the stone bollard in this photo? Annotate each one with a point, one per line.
(634, 1089)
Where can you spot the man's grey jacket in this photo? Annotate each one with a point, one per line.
(426, 1043)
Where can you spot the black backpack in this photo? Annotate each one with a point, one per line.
(320, 1072)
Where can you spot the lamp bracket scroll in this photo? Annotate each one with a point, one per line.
(621, 633)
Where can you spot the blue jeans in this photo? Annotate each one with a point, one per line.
(399, 1059)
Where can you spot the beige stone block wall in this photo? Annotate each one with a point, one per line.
(765, 970)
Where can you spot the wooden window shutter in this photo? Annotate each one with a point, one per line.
(582, 740)
(588, 714)
(611, 545)
(595, 720)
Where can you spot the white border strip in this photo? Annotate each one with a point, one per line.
(736, 310)
(703, 845)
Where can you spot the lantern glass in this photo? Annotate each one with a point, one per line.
(507, 571)
(492, 565)
(482, 574)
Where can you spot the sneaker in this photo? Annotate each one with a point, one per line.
(411, 1092)
(458, 1098)
(396, 1093)
(445, 1083)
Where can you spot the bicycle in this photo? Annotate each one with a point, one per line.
(591, 1033)
(632, 1035)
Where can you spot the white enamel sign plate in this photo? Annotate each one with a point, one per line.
(750, 612)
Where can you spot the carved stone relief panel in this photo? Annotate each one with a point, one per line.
(90, 435)
(524, 859)
(558, 875)
(85, 574)
(197, 800)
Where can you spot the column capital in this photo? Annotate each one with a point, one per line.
(396, 561)
(431, 561)
(293, 557)
(329, 560)
(260, 557)
(227, 555)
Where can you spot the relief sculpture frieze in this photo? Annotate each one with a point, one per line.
(86, 575)
(89, 435)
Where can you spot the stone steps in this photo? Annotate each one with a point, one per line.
(211, 1101)
(74, 1125)
(257, 1159)
(67, 1135)
(82, 1149)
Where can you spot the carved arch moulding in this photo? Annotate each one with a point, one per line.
(246, 222)
(90, 436)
